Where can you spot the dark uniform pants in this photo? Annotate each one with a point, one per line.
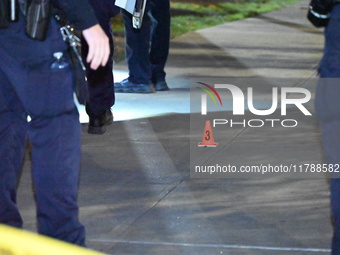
(100, 81)
(28, 86)
(147, 48)
(330, 72)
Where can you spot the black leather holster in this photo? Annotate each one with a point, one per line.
(8, 12)
(38, 19)
(37, 13)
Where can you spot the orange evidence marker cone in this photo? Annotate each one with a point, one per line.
(208, 136)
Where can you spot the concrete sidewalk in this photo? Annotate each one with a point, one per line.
(136, 194)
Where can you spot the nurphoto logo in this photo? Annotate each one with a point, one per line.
(281, 98)
(232, 117)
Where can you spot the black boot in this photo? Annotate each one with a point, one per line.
(98, 125)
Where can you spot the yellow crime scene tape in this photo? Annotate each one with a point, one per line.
(20, 242)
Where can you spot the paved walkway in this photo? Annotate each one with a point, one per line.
(136, 194)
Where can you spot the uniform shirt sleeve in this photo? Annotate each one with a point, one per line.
(79, 12)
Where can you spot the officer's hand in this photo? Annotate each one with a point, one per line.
(99, 48)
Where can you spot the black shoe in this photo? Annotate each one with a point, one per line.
(161, 86)
(98, 125)
(126, 86)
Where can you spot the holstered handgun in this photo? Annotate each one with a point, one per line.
(8, 12)
(38, 19)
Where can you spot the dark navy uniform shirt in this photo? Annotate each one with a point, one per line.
(80, 12)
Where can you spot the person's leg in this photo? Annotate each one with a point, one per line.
(137, 48)
(331, 145)
(13, 127)
(160, 42)
(330, 126)
(335, 206)
(56, 161)
(137, 56)
(100, 81)
(54, 133)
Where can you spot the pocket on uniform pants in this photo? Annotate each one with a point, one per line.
(48, 92)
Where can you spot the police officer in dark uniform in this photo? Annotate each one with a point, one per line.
(100, 81)
(31, 87)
